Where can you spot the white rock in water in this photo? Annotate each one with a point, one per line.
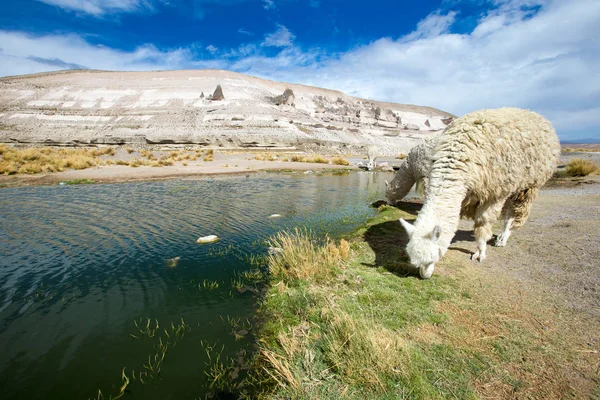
(207, 239)
(275, 216)
(172, 262)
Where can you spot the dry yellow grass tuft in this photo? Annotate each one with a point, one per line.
(340, 161)
(316, 160)
(139, 162)
(304, 257)
(147, 154)
(581, 150)
(267, 157)
(579, 167)
(103, 151)
(36, 160)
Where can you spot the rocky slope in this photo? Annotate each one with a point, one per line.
(177, 107)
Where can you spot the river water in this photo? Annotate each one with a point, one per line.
(85, 276)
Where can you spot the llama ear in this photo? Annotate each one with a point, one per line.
(407, 227)
(436, 233)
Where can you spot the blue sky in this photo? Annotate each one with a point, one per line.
(457, 55)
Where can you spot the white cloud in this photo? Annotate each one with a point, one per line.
(22, 54)
(282, 37)
(99, 7)
(212, 49)
(269, 4)
(545, 60)
(245, 32)
(433, 25)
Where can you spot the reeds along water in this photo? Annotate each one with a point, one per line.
(89, 293)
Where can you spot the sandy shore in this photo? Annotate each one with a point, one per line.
(224, 163)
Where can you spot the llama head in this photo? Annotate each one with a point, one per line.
(423, 250)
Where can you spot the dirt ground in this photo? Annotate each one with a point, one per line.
(541, 293)
(556, 253)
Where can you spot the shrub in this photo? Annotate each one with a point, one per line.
(36, 160)
(317, 160)
(579, 167)
(340, 161)
(304, 257)
(8, 167)
(147, 154)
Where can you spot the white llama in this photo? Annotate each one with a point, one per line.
(484, 162)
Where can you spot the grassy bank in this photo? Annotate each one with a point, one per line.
(36, 160)
(348, 320)
(314, 159)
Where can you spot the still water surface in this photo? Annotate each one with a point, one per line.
(80, 264)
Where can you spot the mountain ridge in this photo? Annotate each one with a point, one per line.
(91, 107)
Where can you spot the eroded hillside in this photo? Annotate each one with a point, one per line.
(176, 107)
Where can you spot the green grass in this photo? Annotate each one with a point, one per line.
(80, 181)
(350, 319)
(337, 319)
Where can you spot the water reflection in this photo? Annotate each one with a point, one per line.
(78, 264)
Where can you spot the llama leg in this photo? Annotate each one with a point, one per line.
(483, 233)
(516, 212)
(508, 216)
(522, 206)
(503, 238)
(484, 218)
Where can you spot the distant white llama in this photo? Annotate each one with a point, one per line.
(484, 162)
(372, 152)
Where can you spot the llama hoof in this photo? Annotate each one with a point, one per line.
(501, 241)
(478, 256)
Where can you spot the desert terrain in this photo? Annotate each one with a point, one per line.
(78, 108)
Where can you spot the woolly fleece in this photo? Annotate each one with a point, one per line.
(480, 161)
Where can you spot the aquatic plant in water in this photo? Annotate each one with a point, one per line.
(151, 368)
